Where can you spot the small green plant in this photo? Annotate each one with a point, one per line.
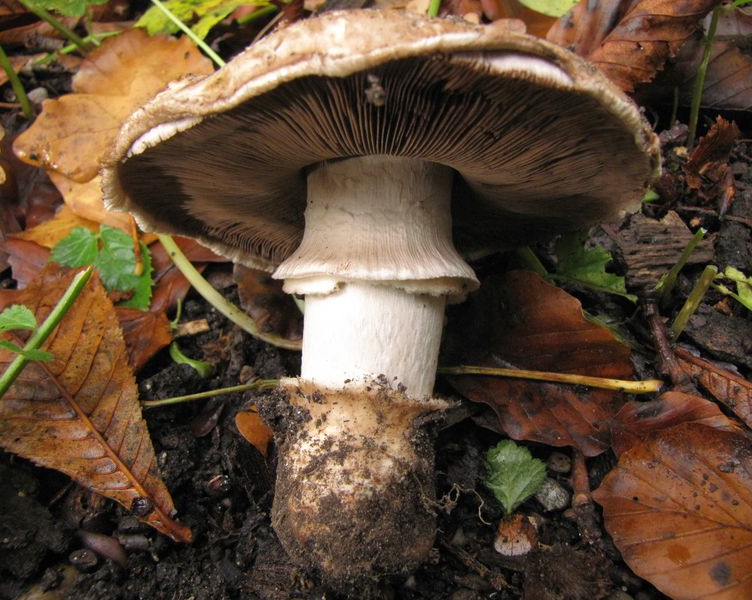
(743, 284)
(552, 8)
(112, 253)
(18, 318)
(513, 474)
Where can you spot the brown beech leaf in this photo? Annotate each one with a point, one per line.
(638, 45)
(584, 27)
(145, 333)
(254, 430)
(262, 298)
(636, 420)
(26, 259)
(73, 132)
(731, 389)
(709, 159)
(520, 320)
(679, 508)
(50, 232)
(80, 413)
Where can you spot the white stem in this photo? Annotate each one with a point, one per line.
(376, 265)
(364, 331)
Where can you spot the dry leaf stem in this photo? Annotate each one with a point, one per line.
(633, 387)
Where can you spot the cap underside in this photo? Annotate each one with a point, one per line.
(531, 158)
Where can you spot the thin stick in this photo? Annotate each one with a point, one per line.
(261, 384)
(218, 301)
(16, 84)
(187, 31)
(633, 387)
(45, 329)
(57, 25)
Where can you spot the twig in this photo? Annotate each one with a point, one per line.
(633, 387)
(668, 364)
(261, 384)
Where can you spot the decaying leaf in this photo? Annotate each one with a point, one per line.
(74, 132)
(520, 320)
(731, 389)
(80, 413)
(679, 508)
(85, 200)
(145, 333)
(635, 38)
(50, 232)
(254, 430)
(639, 419)
(26, 259)
(262, 298)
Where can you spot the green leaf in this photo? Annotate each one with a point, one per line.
(66, 8)
(202, 367)
(31, 354)
(141, 298)
(513, 474)
(552, 8)
(577, 264)
(116, 260)
(77, 249)
(17, 316)
(207, 13)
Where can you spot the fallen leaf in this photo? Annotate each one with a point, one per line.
(262, 298)
(637, 420)
(630, 41)
(50, 232)
(254, 430)
(85, 200)
(74, 132)
(519, 320)
(26, 259)
(709, 159)
(731, 389)
(80, 413)
(145, 333)
(679, 509)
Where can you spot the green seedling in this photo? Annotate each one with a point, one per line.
(41, 333)
(203, 368)
(258, 385)
(577, 264)
(667, 282)
(693, 300)
(111, 252)
(15, 82)
(513, 474)
(19, 318)
(743, 284)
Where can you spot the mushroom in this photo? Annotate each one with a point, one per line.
(361, 156)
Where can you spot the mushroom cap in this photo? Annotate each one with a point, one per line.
(540, 140)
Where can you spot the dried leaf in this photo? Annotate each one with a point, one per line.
(145, 333)
(262, 298)
(85, 200)
(50, 232)
(731, 389)
(254, 430)
(637, 420)
(638, 45)
(80, 413)
(520, 320)
(709, 160)
(26, 259)
(679, 508)
(584, 28)
(74, 132)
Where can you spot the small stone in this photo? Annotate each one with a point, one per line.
(552, 495)
(83, 559)
(558, 462)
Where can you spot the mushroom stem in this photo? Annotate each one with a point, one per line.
(355, 490)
